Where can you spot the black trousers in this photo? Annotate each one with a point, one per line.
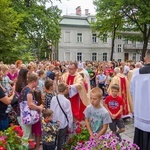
(142, 139)
(62, 133)
(48, 147)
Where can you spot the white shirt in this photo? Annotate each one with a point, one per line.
(58, 113)
(126, 70)
(140, 91)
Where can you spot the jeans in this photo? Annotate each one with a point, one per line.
(4, 124)
(61, 138)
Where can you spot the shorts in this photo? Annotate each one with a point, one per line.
(116, 123)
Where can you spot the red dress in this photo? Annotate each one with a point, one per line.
(76, 103)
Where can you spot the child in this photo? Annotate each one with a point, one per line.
(62, 112)
(114, 104)
(49, 92)
(49, 130)
(100, 80)
(97, 117)
(42, 77)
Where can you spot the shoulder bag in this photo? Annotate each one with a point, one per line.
(62, 109)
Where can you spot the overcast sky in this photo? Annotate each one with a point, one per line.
(69, 6)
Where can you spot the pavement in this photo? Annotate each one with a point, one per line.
(129, 132)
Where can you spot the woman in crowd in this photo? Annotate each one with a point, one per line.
(5, 100)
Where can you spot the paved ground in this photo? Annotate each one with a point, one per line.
(129, 133)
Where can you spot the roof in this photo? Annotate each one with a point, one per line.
(75, 21)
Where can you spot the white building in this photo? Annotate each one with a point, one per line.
(77, 42)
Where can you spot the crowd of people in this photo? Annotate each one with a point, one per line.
(101, 94)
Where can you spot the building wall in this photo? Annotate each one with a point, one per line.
(86, 47)
(69, 47)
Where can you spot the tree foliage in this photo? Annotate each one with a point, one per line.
(108, 20)
(26, 27)
(123, 15)
(9, 26)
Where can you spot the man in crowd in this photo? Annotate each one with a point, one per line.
(140, 91)
(77, 92)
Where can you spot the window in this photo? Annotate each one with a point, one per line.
(104, 56)
(94, 56)
(126, 41)
(67, 37)
(119, 48)
(94, 38)
(79, 56)
(79, 37)
(119, 60)
(119, 37)
(134, 43)
(104, 38)
(134, 57)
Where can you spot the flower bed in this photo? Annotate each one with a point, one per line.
(81, 141)
(81, 135)
(106, 142)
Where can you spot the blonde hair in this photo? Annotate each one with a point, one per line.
(32, 77)
(62, 87)
(97, 91)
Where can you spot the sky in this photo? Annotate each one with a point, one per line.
(69, 6)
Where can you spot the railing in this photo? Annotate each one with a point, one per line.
(134, 46)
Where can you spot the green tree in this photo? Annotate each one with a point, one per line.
(131, 15)
(137, 12)
(9, 26)
(40, 25)
(108, 20)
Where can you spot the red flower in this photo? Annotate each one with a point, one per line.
(81, 141)
(78, 130)
(31, 143)
(3, 141)
(2, 148)
(18, 130)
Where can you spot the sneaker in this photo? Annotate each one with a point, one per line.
(119, 137)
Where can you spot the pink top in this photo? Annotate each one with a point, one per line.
(12, 76)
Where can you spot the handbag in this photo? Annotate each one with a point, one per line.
(62, 109)
(28, 116)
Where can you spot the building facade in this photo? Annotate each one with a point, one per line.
(78, 42)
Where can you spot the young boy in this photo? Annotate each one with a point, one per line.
(49, 130)
(114, 104)
(48, 88)
(97, 117)
(62, 112)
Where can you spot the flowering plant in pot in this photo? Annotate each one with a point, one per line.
(106, 142)
(11, 139)
(81, 135)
